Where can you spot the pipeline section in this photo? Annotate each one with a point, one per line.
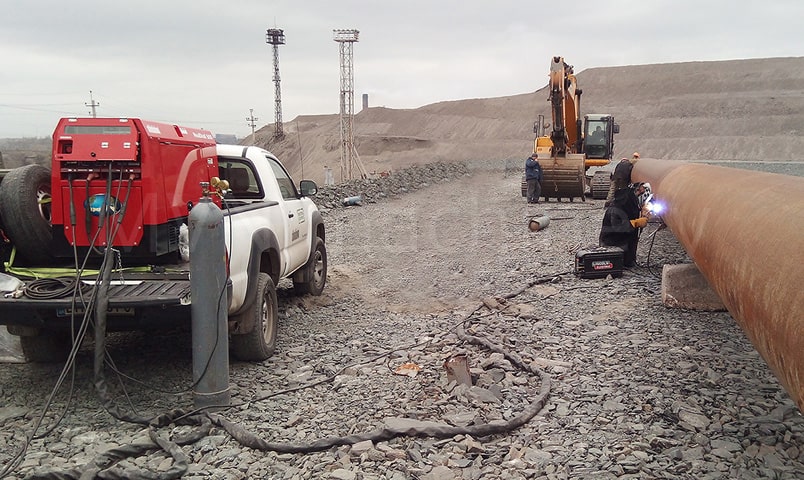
(745, 232)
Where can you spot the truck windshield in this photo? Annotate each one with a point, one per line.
(97, 129)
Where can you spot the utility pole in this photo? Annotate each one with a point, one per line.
(252, 122)
(276, 37)
(92, 103)
(346, 40)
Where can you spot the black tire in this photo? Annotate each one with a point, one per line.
(259, 344)
(25, 207)
(315, 271)
(47, 347)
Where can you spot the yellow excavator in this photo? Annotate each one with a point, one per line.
(574, 144)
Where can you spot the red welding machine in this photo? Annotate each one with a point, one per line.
(126, 182)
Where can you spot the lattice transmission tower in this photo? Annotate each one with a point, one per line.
(276, 37)
(349, 157)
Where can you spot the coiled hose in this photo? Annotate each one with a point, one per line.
(50, 288)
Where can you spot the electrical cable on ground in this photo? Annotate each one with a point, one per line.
(437, 431)
(104, 465)
(661, 227)
(58, 288)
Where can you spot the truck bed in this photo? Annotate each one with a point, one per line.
(134, 299)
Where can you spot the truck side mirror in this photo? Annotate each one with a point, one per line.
(616, 128)
(308, 188)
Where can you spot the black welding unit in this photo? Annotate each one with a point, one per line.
(599, 262)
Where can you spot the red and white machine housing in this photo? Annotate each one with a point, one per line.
(126, 182)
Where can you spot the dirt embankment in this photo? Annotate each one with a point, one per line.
(748, 110)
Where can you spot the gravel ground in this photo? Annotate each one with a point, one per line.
(636, 390)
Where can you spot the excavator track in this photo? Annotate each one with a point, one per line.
(599, 185)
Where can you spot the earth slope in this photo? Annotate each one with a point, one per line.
(745, 110)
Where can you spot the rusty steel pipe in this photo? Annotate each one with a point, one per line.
(745, 232)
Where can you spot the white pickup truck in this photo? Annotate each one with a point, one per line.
(273, 231)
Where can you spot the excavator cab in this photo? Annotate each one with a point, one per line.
(598, 136)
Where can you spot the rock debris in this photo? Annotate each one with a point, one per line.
(638, 390)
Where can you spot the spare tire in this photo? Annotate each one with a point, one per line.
(25, 207)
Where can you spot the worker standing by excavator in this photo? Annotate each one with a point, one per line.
(621, 177)
(533, 176)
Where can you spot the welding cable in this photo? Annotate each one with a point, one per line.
(72, 204)
(101, 386)
(73, 220)
(88, 209)
(68, 368)
(390, 431)
(77, 293)
(100, 342)
(122, 211)
(52, 288)
(103, 466)
(650, 248)
(104, 213)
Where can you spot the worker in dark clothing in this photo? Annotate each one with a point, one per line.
(621, 177)
(533, 176)
(621, 224)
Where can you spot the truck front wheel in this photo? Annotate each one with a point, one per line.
(315, 271)
(260, 342)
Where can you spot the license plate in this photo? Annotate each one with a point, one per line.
(115, 311)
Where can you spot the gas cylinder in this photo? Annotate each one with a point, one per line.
(209, 306)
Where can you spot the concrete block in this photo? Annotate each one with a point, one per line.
(683, 286)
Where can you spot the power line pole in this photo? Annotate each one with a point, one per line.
(92, 103)
(276, 37)
(346, 40)
(252, 122)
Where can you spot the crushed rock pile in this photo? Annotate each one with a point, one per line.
(371, 190)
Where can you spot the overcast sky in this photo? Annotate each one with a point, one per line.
(205, 63)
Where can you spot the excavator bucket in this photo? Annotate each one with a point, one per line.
(563, 177)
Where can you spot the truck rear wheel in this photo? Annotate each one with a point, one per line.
(25, 209)
(260, 342)
(315, 271)
(47, 347)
